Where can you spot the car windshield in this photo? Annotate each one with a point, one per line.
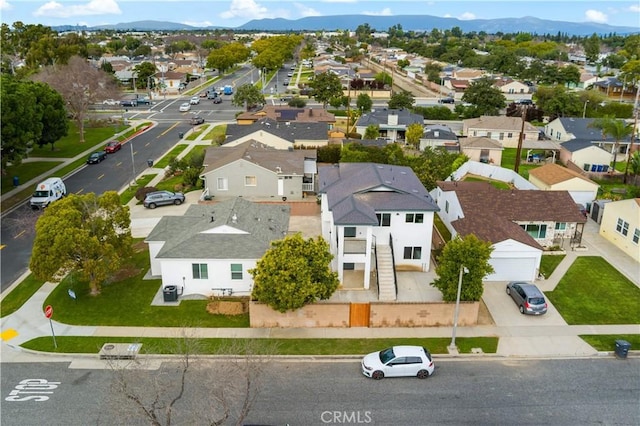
(39, 194)
(536, 300)
(387, 355)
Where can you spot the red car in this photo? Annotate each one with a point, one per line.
(112, 147)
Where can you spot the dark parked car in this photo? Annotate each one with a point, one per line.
(196, 120)
(96, 157)
(528, 297)
(112, 147)
(129, 102)
(524, 102)
(446, 101)
(217, 100)
(163, 198)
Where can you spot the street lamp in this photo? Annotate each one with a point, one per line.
(584, 110)
(452, 346)
(133, 163)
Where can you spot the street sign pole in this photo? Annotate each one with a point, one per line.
(48, 312)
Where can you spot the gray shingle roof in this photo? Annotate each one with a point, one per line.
(248, 227)
(356, 191)
(290, 132)
(577, 144)
(380, 117)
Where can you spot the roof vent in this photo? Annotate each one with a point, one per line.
(234, 218)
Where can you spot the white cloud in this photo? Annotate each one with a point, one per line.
(384, 12)
(306, 11)
(54, 9)
(4, 5)
(592, 15)
(247, 9)
(466, 16)
(634, 8)
(198, 24)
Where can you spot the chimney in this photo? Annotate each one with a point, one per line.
(234, 218)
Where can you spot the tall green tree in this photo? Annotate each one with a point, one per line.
(20, 122)
(293, 273)
(86, 234)
(487, 98)
(592, 48)
(413, 134)
(616, 129)
(400, 100)
(144, 71)
(248, 96)
(364, 103)
(468, 252)
(53, 116)
(326, 86)
(372, 132)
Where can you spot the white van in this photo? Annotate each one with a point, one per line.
(48, 191)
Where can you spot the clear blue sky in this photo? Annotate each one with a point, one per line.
(233, 13)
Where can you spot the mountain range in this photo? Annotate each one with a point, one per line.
(527, 24)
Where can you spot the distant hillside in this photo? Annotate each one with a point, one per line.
(381, 23)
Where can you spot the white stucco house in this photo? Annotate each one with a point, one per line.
(585, 155)
(519, 224)
(372, 213)
(505, 130)
(209, 250)
(553, 177)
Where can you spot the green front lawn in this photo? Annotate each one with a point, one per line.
(549, 263)
(69, 146)
(594, 292)
(69, 344)
(19, 295)
(509, 161)
(25, 172)
(127, 302)
(495, 183)
(166, 158)
(607, 342)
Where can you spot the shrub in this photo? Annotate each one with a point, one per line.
(142, 192)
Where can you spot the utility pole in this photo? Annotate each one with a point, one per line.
(516, 168)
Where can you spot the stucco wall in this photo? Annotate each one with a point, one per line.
(382, 315)
(422, 314)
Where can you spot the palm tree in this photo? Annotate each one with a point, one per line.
(617, 129)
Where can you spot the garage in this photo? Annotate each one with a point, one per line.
(512, 260)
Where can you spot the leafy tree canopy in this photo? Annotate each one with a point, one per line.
(402, 99)
(293, 273)
(326, 86)
(487, 98)
(468, 252)
(248, 96)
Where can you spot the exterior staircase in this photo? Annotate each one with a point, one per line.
(386, 277)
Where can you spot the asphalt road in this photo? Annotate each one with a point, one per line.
(490, 392)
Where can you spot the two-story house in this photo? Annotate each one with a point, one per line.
(377, 218)
(505, 130)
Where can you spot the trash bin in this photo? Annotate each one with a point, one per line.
(170, 293)
(622, 348)
(150, 162)
(181, 135)
(16, 181)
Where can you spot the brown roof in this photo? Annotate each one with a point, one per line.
(292, 114)
(554, 173)
(480, 142)
(491, 214)
(491, 122)
(276, 160)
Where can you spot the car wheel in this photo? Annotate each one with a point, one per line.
(508, 290)
(423, 374)
(152, 205)
(521, 309)
(177, 202)
(377, 375)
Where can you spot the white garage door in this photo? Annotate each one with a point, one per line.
(510, 269)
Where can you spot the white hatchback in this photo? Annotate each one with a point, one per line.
(398, 361)
(195, 100)
(185, 107)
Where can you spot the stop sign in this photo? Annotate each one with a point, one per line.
(48, 311)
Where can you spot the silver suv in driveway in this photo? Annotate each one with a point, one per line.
(163, 198)
(528, 297)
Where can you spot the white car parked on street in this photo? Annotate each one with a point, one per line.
(398, 361)
(185, 107)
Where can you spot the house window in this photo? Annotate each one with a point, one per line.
(348, 266)
(414, 218)
(413, 252)
(636, 236)
(535, 230)
(489, 135)
(446, 207)
(223, 184)
(384, 219)
(561, 226)
(349, 231)
(475, 133)
(200, 271)
(501, 137)
(509, 135)
(622, 227)
(236, 271)
(250, 181)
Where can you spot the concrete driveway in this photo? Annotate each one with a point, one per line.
(505, 312)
